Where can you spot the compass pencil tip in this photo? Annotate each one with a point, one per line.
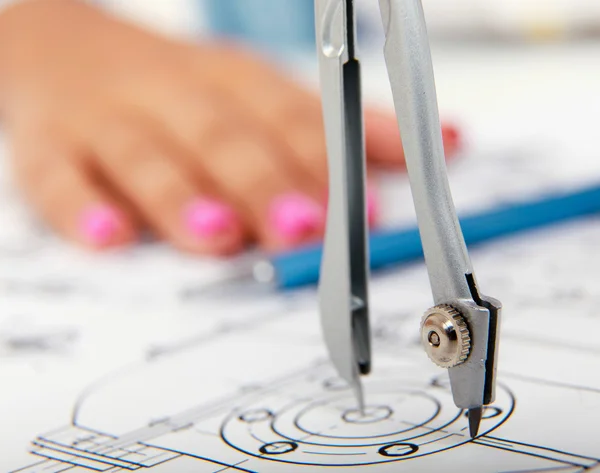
(474, 416)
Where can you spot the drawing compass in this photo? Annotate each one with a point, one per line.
(460, 333)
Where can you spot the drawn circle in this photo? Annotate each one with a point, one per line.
(335, 384)
(278, 448)
(398, 450)
(256, 415)
(489, 412)
(370, 415)
(320, 428)
(309, 419)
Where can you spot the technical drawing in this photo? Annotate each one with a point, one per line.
(399, 423)
(300, 421)
(253, 392)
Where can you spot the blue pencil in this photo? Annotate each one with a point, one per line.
(393, 247)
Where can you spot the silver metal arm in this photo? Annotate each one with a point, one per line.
(344, 271)
(410, 70)
(468, 346)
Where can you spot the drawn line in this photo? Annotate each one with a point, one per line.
(182, 345)
(544, 448)
(41, 462)
(210, 460)
(318, 434)
(497, 442)
(547, 382)
(98, 433)
(232, 466)
(541, 470)
(66, 467)
(154, 461)
(256, 437)
(331, 453)
(554, 343)
(536, 455)
(83, 455)
(432, 429)
(66, 460)
(439, 439)
(96, 384)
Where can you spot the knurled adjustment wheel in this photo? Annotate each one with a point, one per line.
(445, 336)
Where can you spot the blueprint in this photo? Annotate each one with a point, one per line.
(122, 361)
(253, 391)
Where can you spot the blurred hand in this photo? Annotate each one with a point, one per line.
(115, 130)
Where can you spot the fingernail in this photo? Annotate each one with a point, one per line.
(373, 207)
(207, 218)
(294, 216)
(100, 224)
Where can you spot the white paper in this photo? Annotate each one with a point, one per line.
(259, 395)
(105, 366)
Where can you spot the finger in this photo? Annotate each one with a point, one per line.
(383, 143)
(296, 121)
(303, 135)
(64, 194)
(278, 205)
(287, 113)
(147, 170)
(281, 213)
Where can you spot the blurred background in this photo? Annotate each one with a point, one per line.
(507, 20)
(514, 73)
(520, 78)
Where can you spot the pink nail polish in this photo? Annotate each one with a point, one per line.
(100, 223)
(207, 218)
(373, 207)
(295, 215)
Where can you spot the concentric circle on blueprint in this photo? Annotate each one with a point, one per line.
(328, 430)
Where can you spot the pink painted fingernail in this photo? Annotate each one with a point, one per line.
(100, 223)
(294, 216)
(373, 207)
(207, 218)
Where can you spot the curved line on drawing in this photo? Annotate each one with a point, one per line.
(310, 406)
(95, 385)
(440, 428)
(508, 415)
